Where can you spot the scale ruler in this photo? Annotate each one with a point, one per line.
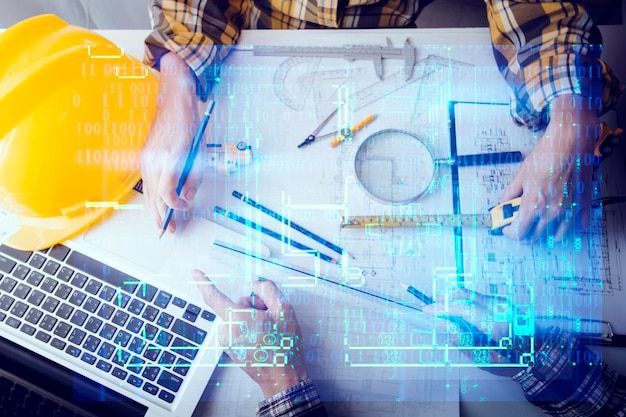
(440, 220)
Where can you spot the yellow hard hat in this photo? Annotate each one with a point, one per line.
(75, 111)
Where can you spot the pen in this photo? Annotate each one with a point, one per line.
(273, 234)
(289, 223)
(419, 295)
(191, 156)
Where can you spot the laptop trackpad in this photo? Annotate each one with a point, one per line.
(131, 234)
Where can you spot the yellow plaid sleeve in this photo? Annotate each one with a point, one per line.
(547, 49)
(198, 31)
(201, 31)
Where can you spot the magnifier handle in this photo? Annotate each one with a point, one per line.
(489, 158)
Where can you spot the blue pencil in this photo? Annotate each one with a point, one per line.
(289, 223)
(191, 156)
(419, 295)
(273, 234)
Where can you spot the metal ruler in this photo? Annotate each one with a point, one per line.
(373, 53)
(426, 68)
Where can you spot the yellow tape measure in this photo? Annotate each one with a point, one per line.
(607, 140)
(498, 217)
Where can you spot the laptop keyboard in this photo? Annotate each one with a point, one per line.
(101, 317)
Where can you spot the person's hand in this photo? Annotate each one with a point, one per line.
(169, 140)
(258, 331)
(555, 179)
(472, 320)
(476, 312)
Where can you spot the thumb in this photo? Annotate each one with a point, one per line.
(514, 190)
(429, 309)
(214, 298)
(269, 294)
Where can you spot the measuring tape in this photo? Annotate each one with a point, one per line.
(498, 217)
(607, 140)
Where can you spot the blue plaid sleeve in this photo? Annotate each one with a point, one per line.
(568, 379)
(298, 401)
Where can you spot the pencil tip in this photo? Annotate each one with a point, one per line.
(162, 233)
(351, 256)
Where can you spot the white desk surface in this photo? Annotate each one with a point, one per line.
(313, 186)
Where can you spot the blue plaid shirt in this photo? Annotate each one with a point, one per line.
(556, 383)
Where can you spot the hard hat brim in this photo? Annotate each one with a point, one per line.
(37, 233)
(41, 233)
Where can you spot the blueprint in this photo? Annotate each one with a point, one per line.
(366, 351)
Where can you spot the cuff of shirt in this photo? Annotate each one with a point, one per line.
(296, 400)
(198, 51)
(559, 75)
(567, 375)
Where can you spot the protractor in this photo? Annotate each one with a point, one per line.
(326, 84)
(293, 80)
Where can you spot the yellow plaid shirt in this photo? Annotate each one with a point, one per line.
(544, 48)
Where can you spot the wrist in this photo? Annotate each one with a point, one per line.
(300, 399)
(280, 384)
(573, 110)
(569, 102)
(574, 121)
(176, 77)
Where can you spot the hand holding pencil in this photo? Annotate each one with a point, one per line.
(167, 146)
(191, 157)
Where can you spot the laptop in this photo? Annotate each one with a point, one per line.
(109, 322)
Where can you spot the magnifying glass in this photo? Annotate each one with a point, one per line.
(396, 166)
